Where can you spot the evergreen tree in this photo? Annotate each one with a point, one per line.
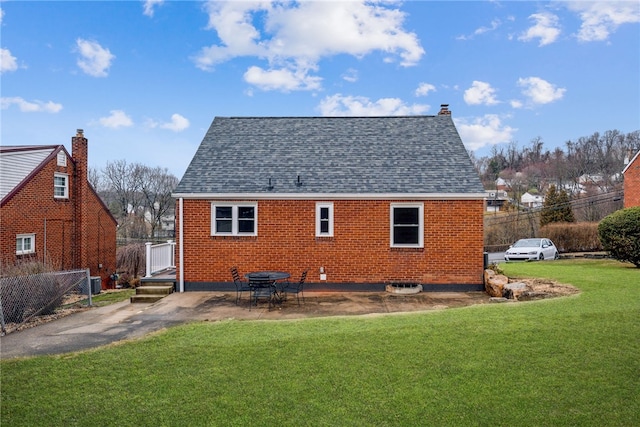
(556, 207)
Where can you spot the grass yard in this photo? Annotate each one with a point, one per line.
(571, 361)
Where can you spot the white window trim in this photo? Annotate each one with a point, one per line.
(30, 236)
(319, 206)
(234, 218)
(66, 185)
(420, 207)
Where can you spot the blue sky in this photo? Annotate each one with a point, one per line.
(144, 79)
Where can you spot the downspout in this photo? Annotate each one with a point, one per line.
(44, 252)
(181, 247)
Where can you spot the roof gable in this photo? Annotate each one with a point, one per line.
(331, 155)
(19, 163)
(631, 162)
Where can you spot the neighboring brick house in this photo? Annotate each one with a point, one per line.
(50, 213)
(631, 175)
(360, 202)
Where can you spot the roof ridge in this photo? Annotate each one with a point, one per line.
(328, 117)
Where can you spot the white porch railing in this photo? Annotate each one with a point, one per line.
(160, 257)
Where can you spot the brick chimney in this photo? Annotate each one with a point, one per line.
(79, 152)
(444, 110)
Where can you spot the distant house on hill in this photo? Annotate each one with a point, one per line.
(502, 184)
(531, 201)
(631, 174)
(50, 213)
(359, 202)
(496, 200)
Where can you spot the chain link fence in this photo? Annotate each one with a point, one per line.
(24, 297)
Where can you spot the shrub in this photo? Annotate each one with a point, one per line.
(573, 237)
(620, 234)
(46, 296)
(131, 259)
(26, 296)
(124, 280)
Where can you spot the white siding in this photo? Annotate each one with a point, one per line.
(16, 165)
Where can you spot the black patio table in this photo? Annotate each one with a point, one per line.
(273, 276)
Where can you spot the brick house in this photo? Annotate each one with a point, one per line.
(631, 174)
(360, 202)
(50, 213)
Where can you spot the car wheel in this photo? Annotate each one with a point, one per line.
(556, 256)
(541, 257)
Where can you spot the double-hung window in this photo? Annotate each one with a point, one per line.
(407, 225)
(324, 219)
(61, 186)
(234, 219)
(25, 244)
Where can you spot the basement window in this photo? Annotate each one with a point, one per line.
(234, 219)
(25, 244)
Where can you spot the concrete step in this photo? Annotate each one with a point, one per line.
(146, 298)
(157, 283)
(155, 289)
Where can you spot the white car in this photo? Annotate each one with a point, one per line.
(532, 249)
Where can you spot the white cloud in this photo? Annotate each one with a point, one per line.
(117, 119)
(150, 5)
(546, 28)
(540, 91)
(31, 106)
(601, 18)
(351, 75)
(178, 123)
(295, 36)
(424, 89)
(516, 103)
(339, 105)
(481, 30)
(483, 131)
(283, 79)
(480, 93)
(94, 59)
(8, 62)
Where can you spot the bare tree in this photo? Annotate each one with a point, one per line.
(138, 196)
(95, 179)
(124, 182)
(156, 188)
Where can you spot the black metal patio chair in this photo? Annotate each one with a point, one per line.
(261, 287)
(296, 288)
(241, 285)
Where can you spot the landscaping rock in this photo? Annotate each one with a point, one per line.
(534, 295)
(494, 283)
(514, 290)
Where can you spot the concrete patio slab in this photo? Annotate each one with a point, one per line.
(124, 321)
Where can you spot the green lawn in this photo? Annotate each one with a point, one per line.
(571, 361)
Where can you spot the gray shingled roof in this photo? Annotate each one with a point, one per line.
(335, 155)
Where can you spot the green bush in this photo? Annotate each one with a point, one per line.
(620, 234)
(573, 237)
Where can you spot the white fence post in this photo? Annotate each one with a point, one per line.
(148, 259)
